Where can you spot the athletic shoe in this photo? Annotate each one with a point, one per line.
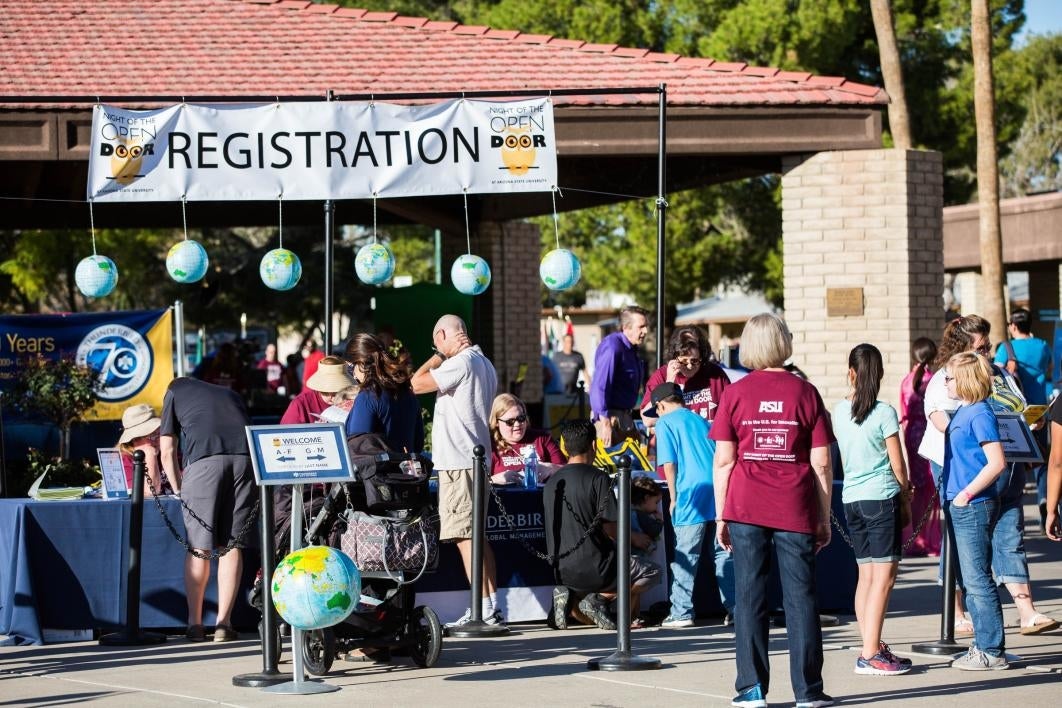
(596, 608)
(880, 665)
(819, 701)
(728, 620)
(884, 649)
(562, 598)
(677, 622)
(751, 697)
(462, 620)
(494, 618)
(976, 660)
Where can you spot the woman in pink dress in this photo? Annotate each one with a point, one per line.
(913, 422)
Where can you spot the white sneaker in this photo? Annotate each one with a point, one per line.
(677, 622)
(462, 620)
(976, 660)
(494, 618)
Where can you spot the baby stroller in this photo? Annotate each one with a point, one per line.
(389, 501)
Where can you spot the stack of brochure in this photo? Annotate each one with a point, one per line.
(53, 493)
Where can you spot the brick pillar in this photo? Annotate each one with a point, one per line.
(505, 318)
(868, 219)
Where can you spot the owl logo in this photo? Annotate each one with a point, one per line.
(126, 161)
(518, 151)
(276, 442)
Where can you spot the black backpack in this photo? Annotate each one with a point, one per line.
(387, 480)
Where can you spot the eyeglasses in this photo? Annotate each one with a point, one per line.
(948, 379)
(689, 363)
(513, 421)
(985, 348)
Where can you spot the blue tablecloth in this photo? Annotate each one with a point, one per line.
(63, 566)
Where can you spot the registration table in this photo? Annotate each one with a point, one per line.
(63, 567)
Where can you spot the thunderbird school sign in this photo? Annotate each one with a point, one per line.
(299, 454)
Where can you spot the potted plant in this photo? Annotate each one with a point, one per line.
(59, 390)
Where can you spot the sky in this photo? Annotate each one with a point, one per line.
(1041, 17)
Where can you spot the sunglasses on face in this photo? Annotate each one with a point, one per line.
(689, 363)
(513, 421)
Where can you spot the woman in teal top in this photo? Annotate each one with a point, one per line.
(876, 497)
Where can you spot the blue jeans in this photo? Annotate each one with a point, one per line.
(689, 543)
(972, 526)
(796, 566)
(1009, 564)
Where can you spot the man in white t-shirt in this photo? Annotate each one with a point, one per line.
(465, 382)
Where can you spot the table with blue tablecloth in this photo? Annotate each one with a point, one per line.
(63, 567)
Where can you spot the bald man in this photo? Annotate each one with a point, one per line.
(465, 383)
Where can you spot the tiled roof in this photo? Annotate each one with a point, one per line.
(295, 47)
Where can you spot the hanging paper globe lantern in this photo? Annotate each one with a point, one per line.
(560, 269)
(96, 276)
(187, 261)
(470, 275)
(374, 264)
(280, 269)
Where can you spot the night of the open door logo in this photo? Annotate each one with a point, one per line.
(517, 132)
(126, 140)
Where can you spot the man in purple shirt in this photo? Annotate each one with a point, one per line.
(618, 375)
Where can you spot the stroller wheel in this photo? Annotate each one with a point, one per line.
(318, 650)
(426, 633)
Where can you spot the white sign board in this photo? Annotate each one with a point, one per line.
(114, 482)
(299, 454)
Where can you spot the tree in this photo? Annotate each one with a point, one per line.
(892, 72)
(1035, 160)
(59, 390)
(992, 304)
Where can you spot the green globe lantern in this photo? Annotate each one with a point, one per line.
(187, 261)
(374, 264)
(560, 269)
(280, 269)
(470, 275)
(96, 276)
(316, 587)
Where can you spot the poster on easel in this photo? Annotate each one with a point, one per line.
(114, 482)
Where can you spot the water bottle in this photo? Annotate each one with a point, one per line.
(530, 467)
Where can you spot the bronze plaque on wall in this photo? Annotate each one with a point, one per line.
(841, 302)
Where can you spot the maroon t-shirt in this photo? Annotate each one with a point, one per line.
(546, 448)
(775, 419)
(702, 391)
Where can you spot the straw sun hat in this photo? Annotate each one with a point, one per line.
(330, 378)
(138, 421)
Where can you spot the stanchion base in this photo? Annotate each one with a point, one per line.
(260, 679)
(139, 638)
(938, 648)
(619, 661)
(471, 630)
(828, 621)
(302, 688)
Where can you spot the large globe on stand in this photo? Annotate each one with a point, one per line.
(316, 587)
(96, 276)
(560, 269)
(374, 264)
(187, 261)
(280, 269)
(470, 275)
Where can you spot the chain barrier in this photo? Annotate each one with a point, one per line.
(588, 531)
(914, 533)
(212, 555)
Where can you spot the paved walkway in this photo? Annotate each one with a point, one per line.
(536, 666)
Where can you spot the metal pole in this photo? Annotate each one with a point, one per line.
(661, 213)
(178, 327)
(131, 635)
(476, 627)
(621, 659)
(329, 217)
(581, 393)
(270, 646)
(946, 645)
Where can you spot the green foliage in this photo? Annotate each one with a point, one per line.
(59, 390)
(1035, 160)
(61, 473)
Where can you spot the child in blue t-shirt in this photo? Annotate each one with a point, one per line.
(973, 461)
(686, 454)
(876, 496)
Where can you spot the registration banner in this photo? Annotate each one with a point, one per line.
(321, 150)
(132, 352)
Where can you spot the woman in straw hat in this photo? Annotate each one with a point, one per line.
(140, 431)
(322, 390)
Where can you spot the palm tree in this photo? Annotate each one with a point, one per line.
(892, 72)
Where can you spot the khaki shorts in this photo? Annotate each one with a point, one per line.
(455, 505)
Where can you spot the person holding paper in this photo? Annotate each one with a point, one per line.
(140, 431)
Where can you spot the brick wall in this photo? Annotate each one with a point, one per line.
(869, 219)
(506, 317)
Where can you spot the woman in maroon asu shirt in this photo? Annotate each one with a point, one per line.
(773, 483)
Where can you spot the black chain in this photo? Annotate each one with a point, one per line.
(588, 531)
(914, 534)
(176, 534)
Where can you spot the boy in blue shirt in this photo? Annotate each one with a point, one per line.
(685, 453)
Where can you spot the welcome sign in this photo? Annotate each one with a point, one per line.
(321, 150)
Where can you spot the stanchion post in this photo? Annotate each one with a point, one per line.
(622, 659)
(581, 392)
(132, 635)
(269, 675)
(946, 645)
(476, 627)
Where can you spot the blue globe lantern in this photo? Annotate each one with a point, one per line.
(280, 269)
(560, 269)
(96, 276)
(374, 264)
(315, 587)
(187, 261)
(470, 275)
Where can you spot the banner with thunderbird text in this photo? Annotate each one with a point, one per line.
(131, 352)
(321, 150)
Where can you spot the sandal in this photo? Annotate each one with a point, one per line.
(1038, 624)
(638, 624)
(963, 627)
